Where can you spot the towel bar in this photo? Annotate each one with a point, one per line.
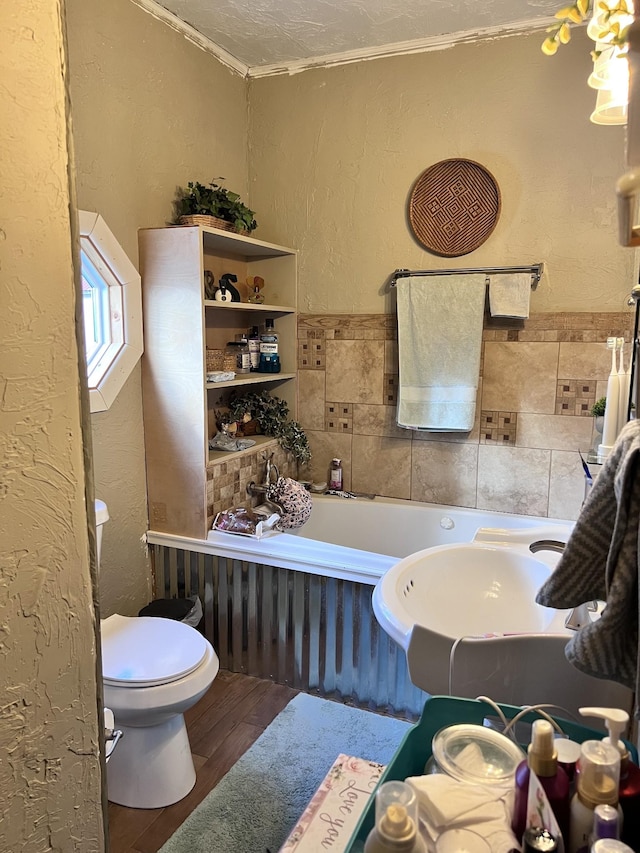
(536, 271)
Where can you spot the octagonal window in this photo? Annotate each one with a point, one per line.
(111, 311)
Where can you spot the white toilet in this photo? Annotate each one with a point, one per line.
(153, 670)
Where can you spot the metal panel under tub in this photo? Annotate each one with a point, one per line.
(311, 632)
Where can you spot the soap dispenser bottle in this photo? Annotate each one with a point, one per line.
(616, 721)
(542, 759)
(597, 781)
(396, 827)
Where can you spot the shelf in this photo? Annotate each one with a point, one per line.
(249, 306)
(250, 379)
(216, 456)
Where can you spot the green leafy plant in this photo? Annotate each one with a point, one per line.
(272, 414)
(597, 410)
(214, 200)
(614, 18)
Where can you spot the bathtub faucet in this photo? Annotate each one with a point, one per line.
(271, 477)
(579, 616)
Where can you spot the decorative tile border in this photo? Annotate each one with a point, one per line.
(498, 427)
(311, 354)
(338, 417)
(390, 389)
(575, 397)
(583, 327)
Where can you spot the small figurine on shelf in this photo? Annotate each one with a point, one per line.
(256, 283)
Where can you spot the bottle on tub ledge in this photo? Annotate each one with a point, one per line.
(335, 475)
(269, 357)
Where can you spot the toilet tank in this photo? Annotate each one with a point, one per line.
(102, 516)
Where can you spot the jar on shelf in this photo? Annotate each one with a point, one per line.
(239, 350)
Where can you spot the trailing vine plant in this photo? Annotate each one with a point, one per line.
(614, 18)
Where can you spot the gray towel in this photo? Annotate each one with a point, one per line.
(601, 561)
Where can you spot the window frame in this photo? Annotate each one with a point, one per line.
(112, 367)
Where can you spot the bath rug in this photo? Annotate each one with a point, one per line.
(256, 805)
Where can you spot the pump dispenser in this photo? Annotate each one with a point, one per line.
(396, 826)
(616, 721)
(542, 759)
(598, 778)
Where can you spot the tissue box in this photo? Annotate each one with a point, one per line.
(335, 809)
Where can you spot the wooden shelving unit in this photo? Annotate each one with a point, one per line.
(179, 324)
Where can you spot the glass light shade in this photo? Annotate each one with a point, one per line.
(611, 108)
(610, 69)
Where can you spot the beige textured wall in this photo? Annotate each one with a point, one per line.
(49, 764)
(150, 112)
(334, 154)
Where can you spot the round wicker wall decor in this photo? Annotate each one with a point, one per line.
(454, 207)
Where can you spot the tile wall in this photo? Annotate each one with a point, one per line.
(538, 381)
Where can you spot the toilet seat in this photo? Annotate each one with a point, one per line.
(147, 651)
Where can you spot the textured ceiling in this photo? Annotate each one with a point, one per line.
(263, 34)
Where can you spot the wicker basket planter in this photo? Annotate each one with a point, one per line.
(210, 222)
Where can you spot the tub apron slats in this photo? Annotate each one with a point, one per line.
(305, 630)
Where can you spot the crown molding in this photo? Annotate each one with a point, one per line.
(297, 66)
(425, 45)
(161, 14)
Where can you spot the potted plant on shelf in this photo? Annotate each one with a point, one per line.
(597, 410)
(215, 206)
(272, 415)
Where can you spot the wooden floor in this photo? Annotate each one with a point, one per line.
(222, 726)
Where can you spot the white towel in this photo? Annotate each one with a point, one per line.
(439, 341)
(509, 295)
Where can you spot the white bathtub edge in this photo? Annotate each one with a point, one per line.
(287, 552)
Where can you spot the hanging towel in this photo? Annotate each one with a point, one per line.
(439, 340)
(600, 561)
(509, 295)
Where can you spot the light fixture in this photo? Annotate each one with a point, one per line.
(610, 77)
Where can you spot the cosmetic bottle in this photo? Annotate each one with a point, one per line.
(335, 475)
(610, 845)
(396, 827)
(254, 348)
(606, 823)
(269, 358)
(597, 781)
(542, 759)
(616, 721)
(538, 840)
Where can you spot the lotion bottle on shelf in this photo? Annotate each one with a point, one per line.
(616, 720)
(542, 759)
(396, 827)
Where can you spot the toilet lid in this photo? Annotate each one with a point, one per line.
(143, 651)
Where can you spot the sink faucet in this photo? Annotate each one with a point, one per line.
(579, 616)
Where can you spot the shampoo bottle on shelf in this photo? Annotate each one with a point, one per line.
(597, 781)
(269, 357)
(396, 827)
(616, 721)
(542, 759)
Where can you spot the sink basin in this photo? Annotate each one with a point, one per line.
(470, 589)
(467, 618)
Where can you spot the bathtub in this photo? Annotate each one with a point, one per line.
(296, 607)
(359, 539)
